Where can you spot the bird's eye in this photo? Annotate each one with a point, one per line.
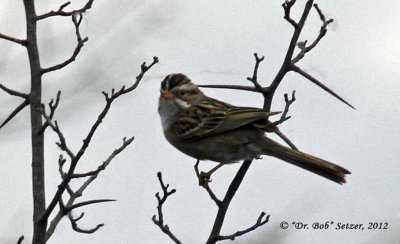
(182, 93)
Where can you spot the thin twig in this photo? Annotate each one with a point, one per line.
(53, 106)
(61, 12)
(320, 84)
(76, 158)
(22, 42)
(254, 78)
(260, 222)
(20, 239)
(18, 109)
(284, 116)
(13, 92)
(80, 43)
(287, 5)
(85, 203)
(233, 87)
(303, 45)
(161, 200)
(74, 224)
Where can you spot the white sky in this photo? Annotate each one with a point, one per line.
(213, 43)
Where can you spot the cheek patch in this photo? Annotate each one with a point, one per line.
(183, 104)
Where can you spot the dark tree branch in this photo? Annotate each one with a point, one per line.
(62, 144)
(22, 42)
(80, 42)
(61, 12)
(85, 203)
(260, 222)
(104, 165)
(206, 186)
(13, 92)
(253, 79)
(320, 84)
(20, 239)
(18, 109)
(233, 87)
(285, 139)
(287, 5)
(76, 158)
(53, 106)
(223, 208)
(303, 45)
(161, 200)
(65, 209)
(74, 224)
(284, 116)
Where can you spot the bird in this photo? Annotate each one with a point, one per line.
(208, 129)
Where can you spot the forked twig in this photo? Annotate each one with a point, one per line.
(159, 218)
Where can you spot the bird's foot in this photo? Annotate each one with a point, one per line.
(204, 179)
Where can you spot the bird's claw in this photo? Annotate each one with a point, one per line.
(204, 179)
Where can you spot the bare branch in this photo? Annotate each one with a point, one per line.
(285, 139)
(13, 92)
(287, 5)
(303, 45)
(223, 208)
(80, 43)
(161, 200)
(143, 69)
(53, 106)
(20, 239)
(107, 161)
(61, 12)
(22, 42)
(75, 158)
(260, 222)
(254, 78)
(62, 144)
(206, 186)
(18, 109)
(284, 116)
(320, 84)
(81, 204)
(74, 224)
(233, 87)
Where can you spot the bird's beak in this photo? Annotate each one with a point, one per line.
(167, 95)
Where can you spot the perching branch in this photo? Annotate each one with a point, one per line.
(159, 218)
(223, 208)
(22, 42)
(76, 19)
(206, 186)
(61, 12)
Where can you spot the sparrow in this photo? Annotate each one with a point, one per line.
(208, 129)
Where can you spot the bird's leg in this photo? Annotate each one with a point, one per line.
(205, 177)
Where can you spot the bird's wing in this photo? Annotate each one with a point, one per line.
(211, 117)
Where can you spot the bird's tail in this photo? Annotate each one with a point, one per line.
(308, 162)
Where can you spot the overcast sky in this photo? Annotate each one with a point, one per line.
(213, 43)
